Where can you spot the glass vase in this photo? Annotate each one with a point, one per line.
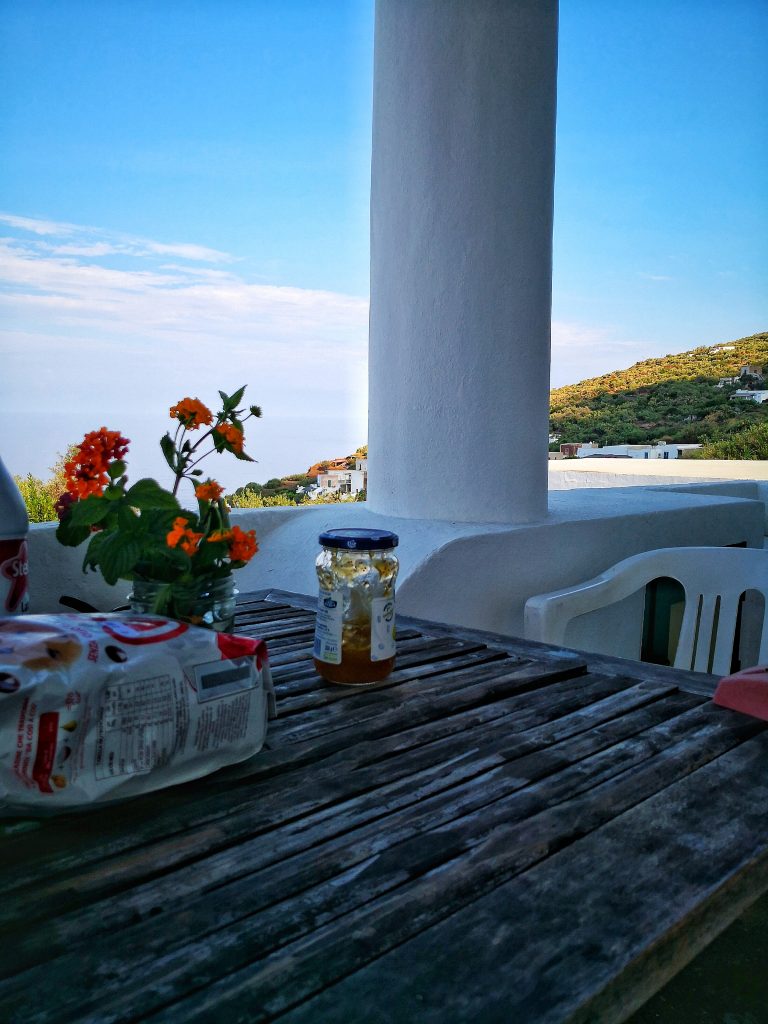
(208, 603)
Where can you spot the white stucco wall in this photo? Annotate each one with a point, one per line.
(461, 229)
(474, 574)
(569, 473)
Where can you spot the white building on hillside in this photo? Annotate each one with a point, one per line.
(661, 450)
(752, 396)
(339, 478)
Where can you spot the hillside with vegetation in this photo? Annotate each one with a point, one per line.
(289, 490)
(674, 398)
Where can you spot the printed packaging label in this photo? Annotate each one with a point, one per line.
(330, 609)
(382, 628)
(14, 574)
(94, 708)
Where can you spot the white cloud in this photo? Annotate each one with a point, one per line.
(94, 249)
(100, 327)
(581, 351)
(97, 242)
(570, 335)
(655, 277)
(37, 226)
(184, 251)
(75, 289)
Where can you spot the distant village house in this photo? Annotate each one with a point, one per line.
(660, 450)
(338, 476)
(751, 396)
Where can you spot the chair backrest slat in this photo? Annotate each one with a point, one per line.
(714, 579)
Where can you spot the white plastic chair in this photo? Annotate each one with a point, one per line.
(714, 580)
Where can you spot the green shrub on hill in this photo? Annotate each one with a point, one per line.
(675, 398)
(40, 496)
(751, 443)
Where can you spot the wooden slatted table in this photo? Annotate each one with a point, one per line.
(502, 831)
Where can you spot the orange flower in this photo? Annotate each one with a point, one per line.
(242, 545)
(182, 537)
(86, 472)
(209, 491)
(192, 413)
(232, 435)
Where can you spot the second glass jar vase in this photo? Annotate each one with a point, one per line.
(206, 603)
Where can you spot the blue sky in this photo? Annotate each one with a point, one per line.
(184, 207)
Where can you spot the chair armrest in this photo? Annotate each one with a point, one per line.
(547, 615)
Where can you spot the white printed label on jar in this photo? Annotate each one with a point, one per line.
(330, 609)
(382, 628)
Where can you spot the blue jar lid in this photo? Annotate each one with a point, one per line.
(359, 540)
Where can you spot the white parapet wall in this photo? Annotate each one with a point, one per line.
(565, 474)
(473, 574)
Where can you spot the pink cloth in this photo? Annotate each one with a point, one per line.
(745, 691)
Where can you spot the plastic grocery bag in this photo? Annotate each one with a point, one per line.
(95, 708)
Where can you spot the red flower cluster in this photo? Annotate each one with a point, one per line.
(86, 473)
(209, 491)
(181, 536)
(232, 435)
(242, 544)
(191, 413)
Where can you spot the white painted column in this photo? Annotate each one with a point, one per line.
(461, 257)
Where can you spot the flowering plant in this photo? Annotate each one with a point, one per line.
(141, 532)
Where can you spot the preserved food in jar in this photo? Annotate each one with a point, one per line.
(355, 633)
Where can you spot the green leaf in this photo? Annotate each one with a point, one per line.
(127, 519)
(243, 457)
(234, 400)
(208, 554)
(196, 472)
(148, 494)
(91, 559)
(113, 493)
(118, 555)
(116, 469)
(224, 398)
(168, 451)
(255, 410)
(163, 563)
(71, 535)
(89, 510)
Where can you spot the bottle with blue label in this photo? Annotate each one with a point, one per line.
(355, 632)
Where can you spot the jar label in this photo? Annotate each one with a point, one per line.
(14, 573)
(330, 608)
(382, 628)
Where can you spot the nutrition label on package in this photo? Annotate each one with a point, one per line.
(139, 726)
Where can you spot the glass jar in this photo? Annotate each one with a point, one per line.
(209, 603)
(355, 633)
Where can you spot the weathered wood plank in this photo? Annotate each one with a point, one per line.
(456, 774)
(71, 842)
(225, 807)
(331, 951)
(695, 682)
(399, 891)
(376, 818)
(580, 953)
